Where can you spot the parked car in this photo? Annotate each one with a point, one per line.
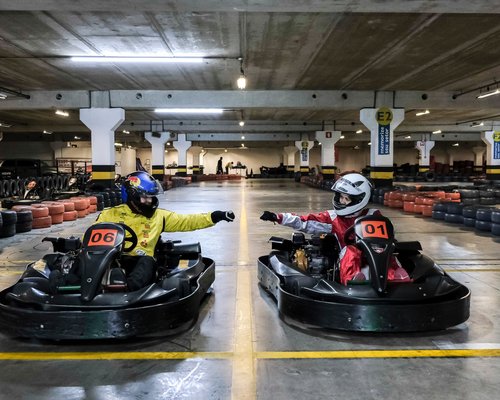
(24, 168)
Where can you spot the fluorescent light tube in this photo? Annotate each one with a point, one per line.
(422, 113)
(190, 110)
(493, 93)
(107, 59)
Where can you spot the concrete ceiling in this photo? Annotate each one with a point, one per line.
(310, 65)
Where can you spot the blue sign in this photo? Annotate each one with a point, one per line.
(384, 139)
(496, 146)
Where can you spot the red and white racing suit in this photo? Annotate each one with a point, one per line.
(329, 222)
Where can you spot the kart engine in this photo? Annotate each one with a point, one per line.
(317, 256)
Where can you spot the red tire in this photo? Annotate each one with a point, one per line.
(70, 215)
(41, 222)
(39, 211)
(57, 218)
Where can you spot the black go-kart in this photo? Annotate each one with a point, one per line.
(302, 275)
(98, 305)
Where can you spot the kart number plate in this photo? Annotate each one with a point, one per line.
(374, 229)
(103, 237)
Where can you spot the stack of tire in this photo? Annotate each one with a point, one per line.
(495, 221)
(8, 222)
(56, 211)
(41, 216)
(24, 220)
(81, 206)
(69, 213)
(448, 211)
(99, 201)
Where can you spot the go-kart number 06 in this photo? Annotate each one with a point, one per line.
(103, 237)
(377, 230)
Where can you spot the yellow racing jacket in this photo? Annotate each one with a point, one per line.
(148, 230)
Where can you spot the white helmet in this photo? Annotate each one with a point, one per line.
(357, 187)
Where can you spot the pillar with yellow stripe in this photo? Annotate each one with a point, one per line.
(304, 147)
(424, 148)
(492, 140)
(381, 122)
(157, 140)
(102, 123)
(182, 145)
(327, 140)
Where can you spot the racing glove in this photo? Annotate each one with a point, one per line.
(269, 216)
(218, 216)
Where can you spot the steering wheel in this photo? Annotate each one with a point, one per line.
(348, 236)
(130, 237)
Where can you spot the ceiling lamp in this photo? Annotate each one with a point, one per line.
(438, 131)
(242, 123)
(476, 124)
(3, 96)
(190, 110)
(242, 80)
(62, 113)
(359, 131)
(422, 113)
(47, 132)
(5, 125)
(488, 94)
(119, 59)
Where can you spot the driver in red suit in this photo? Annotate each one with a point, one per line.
(352, 193)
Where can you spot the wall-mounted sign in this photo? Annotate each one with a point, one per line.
(384, 119)
(496, 145)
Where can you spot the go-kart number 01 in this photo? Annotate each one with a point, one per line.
(378, 230)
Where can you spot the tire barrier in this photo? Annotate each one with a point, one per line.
(9, 219)
(24, 221)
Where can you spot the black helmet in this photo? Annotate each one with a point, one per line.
(140, 184)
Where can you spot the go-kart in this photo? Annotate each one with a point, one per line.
(302, 275)
(98, 305)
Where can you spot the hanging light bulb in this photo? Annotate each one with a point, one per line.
(242, 123)
(242, 80)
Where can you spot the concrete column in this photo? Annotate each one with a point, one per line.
(478, 159)
(157, 140)
(492, 140)
(328, 140)
(128, 164)
(102, 123)
(289, 152)
(381, 122)
(196, 152)
(304, 146)
(424, 147)
(451, 158)
(181, 145)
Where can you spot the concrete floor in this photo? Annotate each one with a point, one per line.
(240, 348)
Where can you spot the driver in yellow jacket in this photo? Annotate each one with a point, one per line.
(141, 213)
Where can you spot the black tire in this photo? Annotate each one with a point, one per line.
(483, 225)
(7, 230)
(440, 207)
(9, 217)
(483, 214)
(491, 201)
(438, 214)
(24, 227)
(24, 216)
(454, 218)
(455, 208)
(469, 201)
(495, 229)
(495, 216)
(470, 222)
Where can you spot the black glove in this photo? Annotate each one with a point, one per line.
(218, 216)
(269, 216)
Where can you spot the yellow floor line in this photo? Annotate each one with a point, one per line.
(244, 382)
(440, 353)
(243, 353)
